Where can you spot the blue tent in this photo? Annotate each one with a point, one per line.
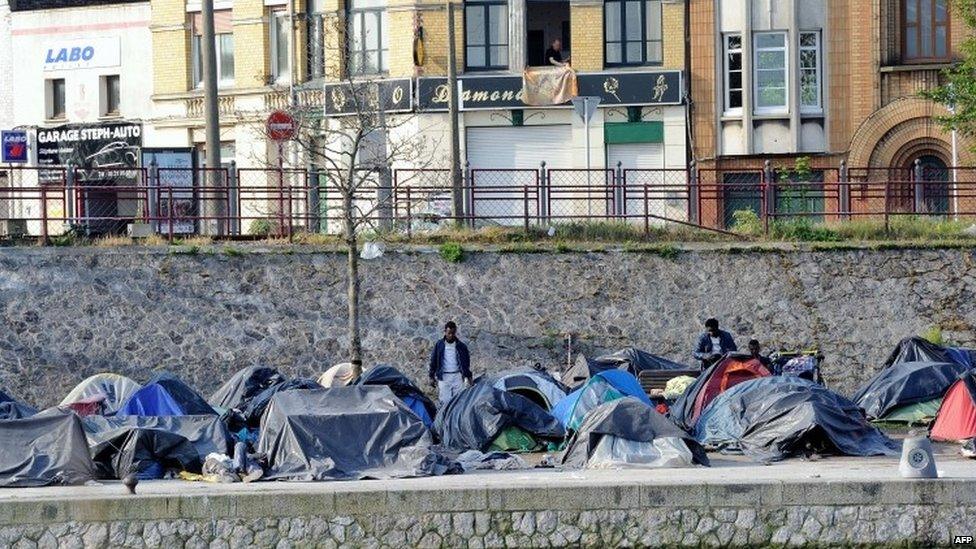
(599, 389)
(165, 395)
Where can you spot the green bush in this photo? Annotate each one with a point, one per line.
(452, 252)
(746, 222)
(934, 335)
(260, 227)
(803, 230)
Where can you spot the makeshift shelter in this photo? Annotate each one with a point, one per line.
(601, 388)
(11, 408)
(628, 433)
(148, 446)
(101, 393)
(165, 395)
(345, 433)
(254, 409)
(917, 349)
(728, 372)
(403, 388)
(339, 375)
(44, 450)
(630, 359)
(243, 386)
(956, 418)
(481, 413)
(772, 418)
(535, 385)
(906, 383)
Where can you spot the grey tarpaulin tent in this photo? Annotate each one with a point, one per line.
(345, 433)
(473, 418)
(771, 418)
(243, 386)
(11, 408)
(49, 449)
(151, 444)
(535, 385)
(627, 433)
(630, 359)
(907, 383)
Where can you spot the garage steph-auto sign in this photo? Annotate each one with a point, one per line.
(14, 146)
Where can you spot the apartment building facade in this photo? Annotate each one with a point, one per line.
(829, 80)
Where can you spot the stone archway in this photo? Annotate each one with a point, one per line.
(905, 127)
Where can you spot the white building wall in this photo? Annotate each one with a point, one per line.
(6, 68)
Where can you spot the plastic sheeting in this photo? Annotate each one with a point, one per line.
(733, 369)
(601, 388)
(345, 433)
(115, 388)
(165, 395)
(906, 383)
(11, 408)
(44, 450)
(403, 388)
(916, 349)
(537, 386)
(628, 433)
(477, 415)
(243, 386)
(630, 359)
(255, 409)
(772, 418)
(138, 444)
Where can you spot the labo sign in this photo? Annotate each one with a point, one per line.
(82, 53)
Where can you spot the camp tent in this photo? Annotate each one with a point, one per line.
(535, 385)
(44, 450)
(771, 418)
(906, 384)
(956, 418)
(165, 395)
(731, 370)
(101, 393)
(339, 375)
(148, 446)
(11, 408)
(630, 359)
(403, 388)
(480, 414)
(255, 409)
(916, 349)
(628, 433)
(243, 386)
(345, 433)
(601, 388)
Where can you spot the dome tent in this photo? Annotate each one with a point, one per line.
(403, 388)
(243, 386)
(630, 359)
(728, 372)
(906, 384)
(165, 395)
(917, 349)
(11, 408)
(109, 390)
(628, 433)
(535, 385)
(601, 388)
(956, 418)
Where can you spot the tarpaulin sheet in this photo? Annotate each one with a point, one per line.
(131, 443)
(403, 388)
(630, 359)
(345, 433)
(44, 450)
(537, 386)
(917, 349)
(906, 383)
(772, 418)
(255, 409)
(165, 395)
(115, 389)
(11, 408)
(243, 386)
(734, 368)
(630, 419)
(601, 388)
(473, 418)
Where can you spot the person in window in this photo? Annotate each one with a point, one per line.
(713, 344)
(554, 55)
(450, 365)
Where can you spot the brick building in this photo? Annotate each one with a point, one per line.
(832, 80)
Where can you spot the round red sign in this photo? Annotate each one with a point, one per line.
(281, 126)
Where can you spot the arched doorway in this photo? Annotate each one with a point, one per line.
(932, 178)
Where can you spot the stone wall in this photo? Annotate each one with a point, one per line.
(70, 313)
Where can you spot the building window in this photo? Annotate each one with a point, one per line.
(367, 37)
(316, 46)
(486, 35)
(770, 83)
(633, 32)
(224, 42)
(110, 95)
(733, 73)
(925, 30)
(811, 95)
(280, 46)
(55, 99)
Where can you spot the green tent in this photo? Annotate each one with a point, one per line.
(513, 439)
(920, 413)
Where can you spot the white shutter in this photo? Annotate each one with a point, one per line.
(643, 163)
(644, 156)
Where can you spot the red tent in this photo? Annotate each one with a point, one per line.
(956, 419)
(729, 372)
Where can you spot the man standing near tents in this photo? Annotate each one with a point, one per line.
(450, 365)
(713, 344)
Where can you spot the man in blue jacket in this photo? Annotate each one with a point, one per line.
(713, 344)
(450, 365)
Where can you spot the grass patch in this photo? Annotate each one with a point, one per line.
(154, 239)
(185, 250)
(452, 252)
(113, 241)
(933, 335)
(231, 251)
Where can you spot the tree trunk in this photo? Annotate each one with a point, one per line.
(352, 285)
